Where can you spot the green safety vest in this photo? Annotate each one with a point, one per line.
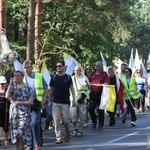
(130, 89)
(39, 89)
(80, 88)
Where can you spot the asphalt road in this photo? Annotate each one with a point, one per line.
(121, 136)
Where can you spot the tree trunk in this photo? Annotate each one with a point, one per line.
(3, 14)
(31, 31)
(38, 18)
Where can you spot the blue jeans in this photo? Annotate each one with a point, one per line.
(36, 129)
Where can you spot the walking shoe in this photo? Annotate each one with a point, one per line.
(79, 134)
(58, 141)
(124, 120)
(133, 123)
(67, 138)
(111, 123)
(74, 133)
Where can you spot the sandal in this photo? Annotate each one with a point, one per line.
(79, 134)
(67, 138)
(74, 133)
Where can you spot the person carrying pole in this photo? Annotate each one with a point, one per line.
(131, 93)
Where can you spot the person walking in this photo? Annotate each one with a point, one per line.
(40, 89)
(142, 84)
(131, 93)
(4, 107)
(121, 75)
(97, 78)
(88, 72)
(59, 88)
(80, 83)
(114, 80)
(21, 96)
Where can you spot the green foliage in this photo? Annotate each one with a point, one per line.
(83, 28)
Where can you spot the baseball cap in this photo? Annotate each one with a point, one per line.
(3, 79)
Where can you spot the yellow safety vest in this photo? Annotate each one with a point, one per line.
(130, 90)
(78, 87)
(39, 89)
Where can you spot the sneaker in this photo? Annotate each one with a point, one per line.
(85, 125)
(58, 141)
(133, 123)
(124, 120)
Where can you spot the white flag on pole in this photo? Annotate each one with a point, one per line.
(148, 60)
(104, 62)
(131, 63)
(137, 60)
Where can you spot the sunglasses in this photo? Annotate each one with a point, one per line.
(126, 71)
(138, 72)
(58, 66)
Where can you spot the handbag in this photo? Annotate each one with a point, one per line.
(36, 105)
(82, 96)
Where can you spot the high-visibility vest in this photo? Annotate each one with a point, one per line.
(80, 87)
(130, 89)
(39, 89)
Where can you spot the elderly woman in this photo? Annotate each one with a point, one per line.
(131, 93)
(114, 80)
(20, 112)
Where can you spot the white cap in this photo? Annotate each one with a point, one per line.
(3, 79)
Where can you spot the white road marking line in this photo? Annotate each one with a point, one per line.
(123, 137)
(147, 127)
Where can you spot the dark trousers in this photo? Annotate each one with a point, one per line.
(130, 104)
(141, 101)
(112, 114)
(94, 102)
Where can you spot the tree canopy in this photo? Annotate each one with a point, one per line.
(83, 28)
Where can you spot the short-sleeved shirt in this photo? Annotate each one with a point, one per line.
(61, 85)
(98, 79)
(30, 80)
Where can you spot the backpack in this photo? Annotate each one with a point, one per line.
(54, 76)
